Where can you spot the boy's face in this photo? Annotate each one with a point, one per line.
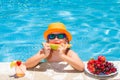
(57, 38)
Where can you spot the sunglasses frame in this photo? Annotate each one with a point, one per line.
(57, 35)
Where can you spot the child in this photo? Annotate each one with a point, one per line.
(56, 34)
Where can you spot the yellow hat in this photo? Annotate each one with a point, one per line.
(57, 27)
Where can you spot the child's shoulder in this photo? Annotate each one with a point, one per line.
(71, 52)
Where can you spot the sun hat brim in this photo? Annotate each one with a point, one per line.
(47, 32)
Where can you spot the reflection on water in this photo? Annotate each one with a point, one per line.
(95, 26)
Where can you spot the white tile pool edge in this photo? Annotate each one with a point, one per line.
(6, 71)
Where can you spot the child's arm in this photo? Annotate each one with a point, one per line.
(44, 53)
(73, 59)
(33, 61)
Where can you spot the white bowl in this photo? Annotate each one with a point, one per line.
(100, 76)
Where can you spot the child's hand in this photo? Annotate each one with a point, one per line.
(46, 49)
(62, 49)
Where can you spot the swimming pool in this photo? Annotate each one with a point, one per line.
(94, 25)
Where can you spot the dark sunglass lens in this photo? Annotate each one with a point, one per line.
(61, 36)
(51, 36)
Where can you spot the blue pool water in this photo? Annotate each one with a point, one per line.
(94, 25)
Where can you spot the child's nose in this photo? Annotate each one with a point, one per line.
(56, 38)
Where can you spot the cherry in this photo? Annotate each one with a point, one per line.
(101, 58)
(18, 62)
(100, 66)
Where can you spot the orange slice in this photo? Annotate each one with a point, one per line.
(20, 74)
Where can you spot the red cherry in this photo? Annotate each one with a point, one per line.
(18, 63)
(91, 68)
(91, 62)
(101, 66)
(101, 58)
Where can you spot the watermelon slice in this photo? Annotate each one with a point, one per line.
(56, 46)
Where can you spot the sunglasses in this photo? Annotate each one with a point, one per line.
(59, 36)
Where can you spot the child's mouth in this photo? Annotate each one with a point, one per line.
(57, 42)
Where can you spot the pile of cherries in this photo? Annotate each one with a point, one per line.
(100, 66)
